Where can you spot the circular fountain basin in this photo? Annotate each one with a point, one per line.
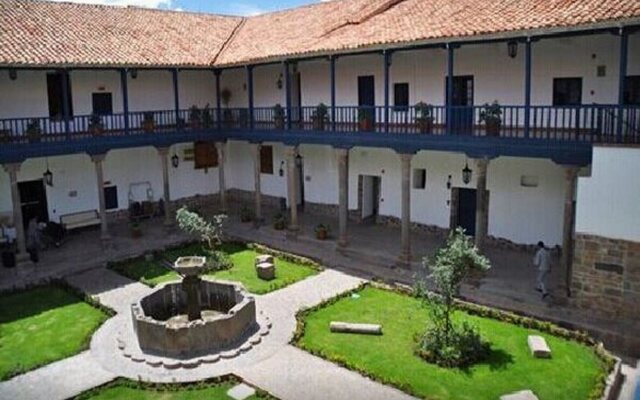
(162, 327)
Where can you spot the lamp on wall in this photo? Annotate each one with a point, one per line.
(134, 73)
(449, 182)
(466, 173)
(279, 82)
(512, 48)
(175, 160)
(281, 170)
(48, 176)
(13, 74)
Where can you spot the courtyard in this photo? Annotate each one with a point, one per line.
(330, 288)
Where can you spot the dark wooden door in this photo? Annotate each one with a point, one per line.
(462, 102)
(367, 96)
(33, 199)
(467, 210)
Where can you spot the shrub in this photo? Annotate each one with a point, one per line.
(443, 342)
(210, 233)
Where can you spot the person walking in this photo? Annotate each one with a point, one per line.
(542, 260)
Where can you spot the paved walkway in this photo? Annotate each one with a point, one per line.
(273, 364)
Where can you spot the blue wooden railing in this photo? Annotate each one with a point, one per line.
(585, 123)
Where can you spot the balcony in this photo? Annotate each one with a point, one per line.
(504, 130)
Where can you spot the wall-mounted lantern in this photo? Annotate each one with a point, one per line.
(449, 183)
(466, 174)
(281, 170)
(512, 48)
(48, 176)
(279, 82)
(134, 73)
(13, 74)
(175, 160)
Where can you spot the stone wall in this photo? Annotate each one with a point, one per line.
(606, 275)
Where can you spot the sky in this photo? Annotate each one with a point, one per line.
(241, 7)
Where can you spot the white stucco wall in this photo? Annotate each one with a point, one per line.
(608, 201)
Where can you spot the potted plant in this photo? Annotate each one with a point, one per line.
(279, 222)
(5, 135)
(424, 117)
(491, 115)
(246, 215)
(322, 231)
(319, 117)
(207, 119)
(136, 231)
(243, 118)
(95, 125)
(365, 119)
(278, 116)
(148, 122)
(34, 132)
(195, 117)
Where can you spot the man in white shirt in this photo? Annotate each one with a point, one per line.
(542, 260)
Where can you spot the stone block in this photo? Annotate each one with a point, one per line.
(241, 392)
(538, 346)
(266, 271)
(264, 258)
(345, 327)
(521, 395)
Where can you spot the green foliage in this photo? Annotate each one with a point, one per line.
(491, 112)
(210, 232)
(444, 343)
(424, 111)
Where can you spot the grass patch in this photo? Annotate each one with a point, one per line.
(289, 269)
(574, 372)
(121, 388)
(42, 325)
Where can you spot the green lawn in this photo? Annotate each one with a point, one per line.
(123, 389)
(243, 270)
(42, 325)
(571, 373)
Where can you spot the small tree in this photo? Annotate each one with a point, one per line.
(210, 233)
(444, 342)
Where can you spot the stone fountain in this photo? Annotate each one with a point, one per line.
(194, 317)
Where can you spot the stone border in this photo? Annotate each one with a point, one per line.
(173, 387)
(608, 382)
(132, 351)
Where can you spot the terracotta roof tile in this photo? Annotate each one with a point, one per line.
(46, 33)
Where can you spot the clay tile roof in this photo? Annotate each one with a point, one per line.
(48, 33)
(45, 33)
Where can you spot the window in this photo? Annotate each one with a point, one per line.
(530, 181)
(54, 92)
(567, 91)
(266, 160)
(111, 197)
(102, 103)
(205, 155)
(419, 178)
(401, 96)
(632, 90)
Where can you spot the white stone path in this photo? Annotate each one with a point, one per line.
(273, 365)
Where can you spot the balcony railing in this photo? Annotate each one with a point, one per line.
(586, 123)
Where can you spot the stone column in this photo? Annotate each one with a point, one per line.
(405, 232)
(98, 159)
(163, 152)
(22, 257)
(482, 206)
(343, 195)
(255, 148)
(292, 186)
(571, 177)
(222, 187)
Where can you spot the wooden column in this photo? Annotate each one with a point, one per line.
(571, 177)
(255, 149)
(222, 187)
(163, 152)
(292, 186)
(622, 74)
(98, 159)
(124, 87)
(342, 156)
(176, 96)
(405, 232)
(22, 258)
(482, 205)
(527, 88)
(332, 76)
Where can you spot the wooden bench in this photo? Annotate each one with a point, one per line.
(80, 219)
